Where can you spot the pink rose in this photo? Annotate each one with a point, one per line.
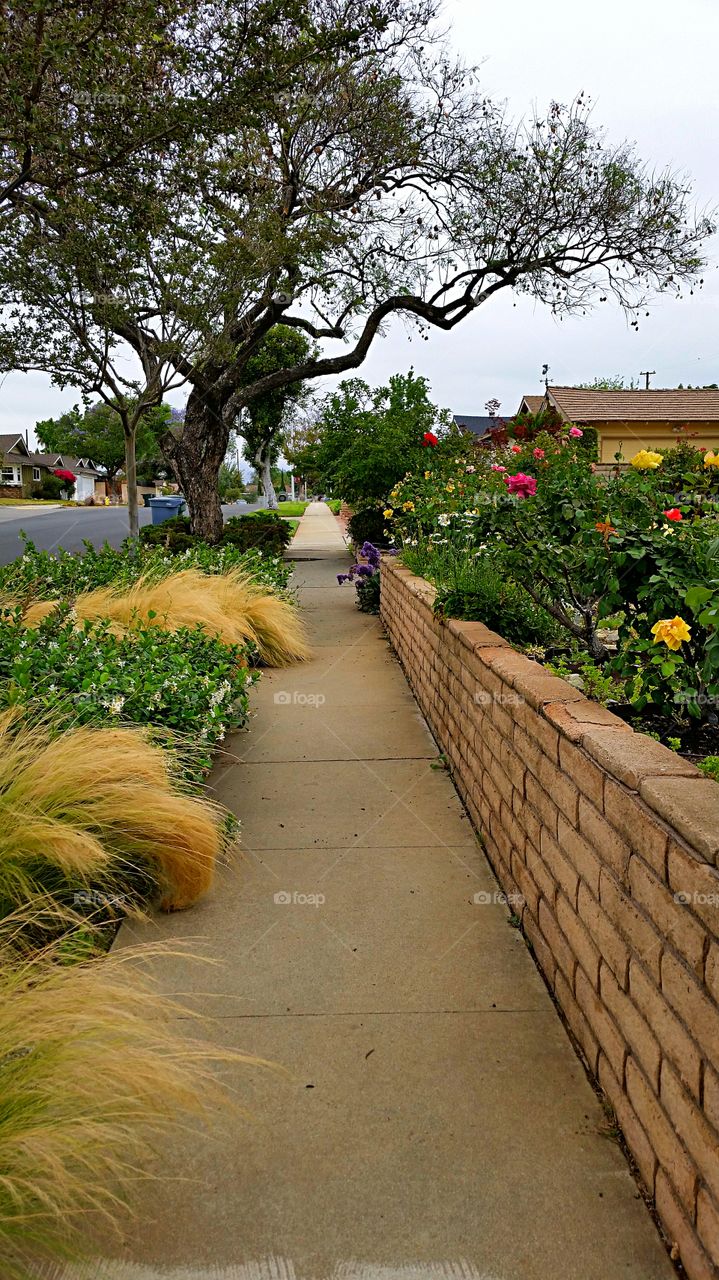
(523, 486)
(496, 467)
(575, 432)
(516, 448)
(538, 453)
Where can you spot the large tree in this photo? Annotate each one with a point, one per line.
(369, 438)
(363, 177)
(267, 413)
(97, 434)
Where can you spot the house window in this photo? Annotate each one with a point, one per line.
(36, 473)
(11, 475)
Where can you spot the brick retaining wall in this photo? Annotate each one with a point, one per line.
(610, 842)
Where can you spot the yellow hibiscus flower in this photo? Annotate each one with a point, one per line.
(388, 513)
(672, 632)
(645, 460)
(711, 459)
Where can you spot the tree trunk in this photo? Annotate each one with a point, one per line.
(196, 456)
(131, 480)
(264, 468)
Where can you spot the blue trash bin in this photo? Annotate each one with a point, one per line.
(166, 508)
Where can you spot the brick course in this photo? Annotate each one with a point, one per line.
(612, 842)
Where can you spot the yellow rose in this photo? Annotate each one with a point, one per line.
(449, 487)
(711, 459)
(428, 475)
(672, 631)
(388, 513)
(645, 460)
(408, 506)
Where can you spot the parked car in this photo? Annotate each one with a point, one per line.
(282, 497)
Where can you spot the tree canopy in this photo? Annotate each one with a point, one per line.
(97, 434)
(369, 439)
(330, 165)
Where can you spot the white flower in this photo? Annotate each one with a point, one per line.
(443, 520)
(115, 707)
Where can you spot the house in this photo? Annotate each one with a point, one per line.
(627, 421)
(23, 471)
(530, 404)
(473, 425)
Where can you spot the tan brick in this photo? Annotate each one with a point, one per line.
(708, 1222)
(680, 1231)
(573, 718)
(580, 854)
(542, 734)
(558, 944)
(545, 881)
(632, 759)
(604, 840)
(527, 884)
(697, 1136)
(472, 635)
(691, 807)
(688, 997)
(501, 781)
(672, 1156)
(560, 868)
(577, 935)
(675, 1040)
(542, 951)
(672, 919)
(538, 687)
(636, 928)
(636, 823)
(563, 791)
(584, 772)
(639, 1039)
(604, 934)
(637, 1140)
(578, 1024)
(542, 803)
(610, 1039)
(528, 749)
(527, 818)
(711, 1097)
(513, 767)
(697, 880)
(711, 975)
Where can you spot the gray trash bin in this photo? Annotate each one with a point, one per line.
(166, 508)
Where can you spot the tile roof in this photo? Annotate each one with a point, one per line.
(580, 405)
(9, 441)
(477, 425)
(533, 403)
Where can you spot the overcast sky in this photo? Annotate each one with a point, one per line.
(651, 69)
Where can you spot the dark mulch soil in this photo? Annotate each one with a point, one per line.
(698, 739)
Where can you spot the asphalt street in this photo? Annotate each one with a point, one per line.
(69, 527)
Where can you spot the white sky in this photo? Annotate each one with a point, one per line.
(651, 69)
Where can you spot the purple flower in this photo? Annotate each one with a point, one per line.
(343, 577)
(364, 570)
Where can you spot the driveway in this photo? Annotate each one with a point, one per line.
(68, 527)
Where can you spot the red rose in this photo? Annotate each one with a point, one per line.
(673, 514)
(429, 439)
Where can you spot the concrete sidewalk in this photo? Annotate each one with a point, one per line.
(436, 1124)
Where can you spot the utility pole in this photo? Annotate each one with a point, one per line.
(646, 374)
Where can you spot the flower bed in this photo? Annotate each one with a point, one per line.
(608, 843)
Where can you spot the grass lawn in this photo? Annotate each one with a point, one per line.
(35, 502)
(294, 525)
(292, 508)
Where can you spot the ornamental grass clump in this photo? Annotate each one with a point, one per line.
(231, 606)
(96, 808)
(91, 1074)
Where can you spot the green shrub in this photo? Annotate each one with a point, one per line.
(184, 681)
(41, 575)
(50, 487)
(262, 529)
(368, 525)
